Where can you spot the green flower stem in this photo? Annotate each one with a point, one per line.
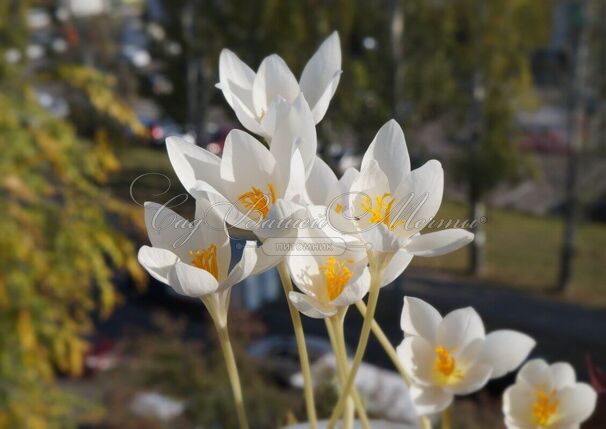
(334, 326)
(302, 348)
(373, 297)
(446, 420)
(220, 322)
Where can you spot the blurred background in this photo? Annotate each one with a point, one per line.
(509, 94)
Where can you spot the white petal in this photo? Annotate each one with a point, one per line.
(296, 125)
(395, 267)
(381, 240)
(505, 350)
(473, 380)
(157, 262)
(577, 403)
(212, 230)
(191, 281)
(536, 373)
(237, 79)
(417, 356)
(459, 328)
(192, 163)
(439, 242)
(248, 120)
(168, 230)
(354, 291)
(420, 318)
(310, 306)
(319, 109)
(276, 112)
(318, 78)
(430, 399)
(320, 181)
(243, 268)
(389, 149)
(296, 189)
(563, 375)
(274, 79)
(342, 220)
(517, 405)
(280, 222)
(418, 198)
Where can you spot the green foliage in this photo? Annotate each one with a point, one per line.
(58, 244)
(469, 61)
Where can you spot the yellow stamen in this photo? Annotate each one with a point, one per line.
(446, 366)
(256, 200)
(206, 260)
(545, 406)
(381, 211)
(339, 208)
(336, 275)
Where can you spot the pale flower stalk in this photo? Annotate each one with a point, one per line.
(547, 397)
(452, 355)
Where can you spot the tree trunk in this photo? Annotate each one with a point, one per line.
(477, 216)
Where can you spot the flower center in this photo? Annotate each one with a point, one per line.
(256, 200)
(446, 366)
(380, 211)
(545, 406)
(206, 259)
(336, 275)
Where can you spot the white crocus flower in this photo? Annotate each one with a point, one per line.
(250, 184)
(257, 98)
(193, 258)
(330, 271)
(452, 355)
(390, 204)
(547, 397)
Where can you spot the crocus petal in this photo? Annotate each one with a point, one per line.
(389, 150)
(430, 399)
(418, 198)
(354, 291)
(296, 189)
(459, 328)
(417, 356)
(320, 76)
(276, 112)
(280, 222)
(517, 405)
(191, 281)
(381, 240)
(536, 373)
(439, 242)
(243, 268)
(310, 306)
(168, 230)
(248, 120)
(296, 125)
(505, 350)
(236, 78)
(474, 379)
(157, 262)
(420, 318)
(340, 216)
(192, 163)
(577, 404)
(319, 109)
(395, 267)
(211, 230)
(563, 375)
(320, 181)
(274, 79)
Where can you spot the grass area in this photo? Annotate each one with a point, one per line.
(522, 250)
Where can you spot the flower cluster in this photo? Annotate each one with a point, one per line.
(274, 187)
